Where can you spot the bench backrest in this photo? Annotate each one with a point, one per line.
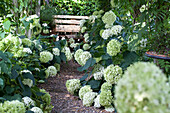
(67, 23)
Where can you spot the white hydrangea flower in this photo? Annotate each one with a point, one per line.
(109, 108)
(31, 17)
(84, 90)
(109, 18)
(86, 46)
(45, 24)
(116, 29)
(106, 34)
(46, 56)
(27, 50)
(68, 53)
(77, 54)
(88, 98)
(26, 71)
(82, 23)
(98, 72)
(46, 31)
(113, 47)
(98, 75)
(51, 71)
(96, 102)
(84, 57)
(73, 85)
(36, 110)
(74, 45)
(83, 29)
(143, 8)
(28, 82)
(28, 101)
(142, 89)
(106, 98)
(37, 45)
(56, 51)
(113, 73)
(143, 42)
(37, 69)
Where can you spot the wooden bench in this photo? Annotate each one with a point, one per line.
(67, 25)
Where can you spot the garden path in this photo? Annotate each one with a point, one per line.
(62, 101)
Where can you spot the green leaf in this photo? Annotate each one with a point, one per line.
(90, 62)
(27, 91)
(63, 57)
(83, 78)
(129, 58)
(95, 84)
(6, 24)
(14, 74)
(57, 59)
(1, 84)
(9, 89)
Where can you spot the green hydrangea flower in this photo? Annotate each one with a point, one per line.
(68, 53)
(98, 72)
(88, 98)
(84, 90)
(56, 51)
(46, 56)
(51, 71)
(28, 82)
(109, 108)
(14, 106)
(109, 18)
(113, 47)
(46, 98)
(106, 34)
(83, 29)
(26, 42)
(28, 101)
(71, 40)
(142, 89)
(36, 110)
(86, 46)
(77, 54)
(106, 98)
(86, 37)
(73, 85)
(106, 86)
(112, 74)
(13, 45)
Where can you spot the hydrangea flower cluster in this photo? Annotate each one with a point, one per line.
(88, 98)
(84, 90)
(51, 71)
(82, 56)
(46, 56)
(74, 45)
(14, 106)
(82, 22)
(36, 110)
(106, 33)
(71, 40)
(28, 101)
(106, 86)
(142, 89)
(13, 45)
(106, 98)
(112, 74)
(98, 72)
(86, 46)
(26, 42)
(98, 14)
(116, 29)
(73, 85)
(83, 29)
(67, 52)
(97, 102)
(113, 47)
(27, 50)
(28, 82)
(56, 51)
(37, 44)
(109, 108)
(109, 18)
(86, 37)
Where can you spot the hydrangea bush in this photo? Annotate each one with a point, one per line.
(73, 85)
(142, 89)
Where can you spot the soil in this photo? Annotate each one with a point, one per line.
(62, 101)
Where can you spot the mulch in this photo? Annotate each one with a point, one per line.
(62, 101)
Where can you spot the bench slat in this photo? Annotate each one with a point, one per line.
(67, 28)
(70, 17)
(67, 21)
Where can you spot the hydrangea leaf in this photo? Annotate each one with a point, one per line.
(14, 74)
(1, 83)
(95, 84)
(9, 89)
(28, 75)
(90, 62)
(63, 57)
